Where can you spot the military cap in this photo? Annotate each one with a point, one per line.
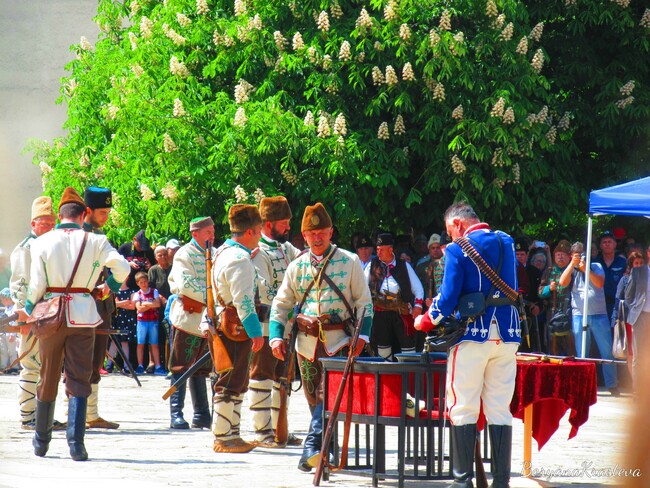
(385, 239)
(315, 218)
(199, 223)
(96, 197)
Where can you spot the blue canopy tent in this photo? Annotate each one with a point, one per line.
(631, 198)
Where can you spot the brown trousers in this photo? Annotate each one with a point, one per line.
(187, 349)
(264, 365)
(312, 373)
(235, 381)
(75, 345)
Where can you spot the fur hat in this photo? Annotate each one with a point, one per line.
(199, 223)
(563, 246)
(96, 197)
(70, 195)
(242, 217)
(385, 239)
(434, 239)
(275, 208)
(42, 207)
(315, 218)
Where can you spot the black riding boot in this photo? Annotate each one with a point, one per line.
(176, 403)
(43, 427)
(313, 441)
(463, 442)
(501, 444)
(202, 418)
(77, 428)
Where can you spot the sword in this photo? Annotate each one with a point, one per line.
(185, 376)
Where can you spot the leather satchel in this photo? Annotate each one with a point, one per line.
(49, 316)
(230, 324)
(190, 305)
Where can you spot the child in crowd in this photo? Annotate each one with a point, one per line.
(147, 303)
(125, 322)
(8, 344)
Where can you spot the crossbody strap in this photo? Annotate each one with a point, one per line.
(76, 264)
(473, 254)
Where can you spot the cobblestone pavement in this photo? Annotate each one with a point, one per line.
(144, 452)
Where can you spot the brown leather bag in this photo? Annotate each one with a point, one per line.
(231, 326)
(48, 316)
(190, 305)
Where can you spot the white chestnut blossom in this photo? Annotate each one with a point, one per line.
(183, 19)
(84, 44)
(240, 117)
(390, 11)
(168, 144)
(146, 192)
(240, 194)
(145, 27)
(628, 88)
(280, 40)
(538, 61)
(391, 76)
(202, 7)
(457, 165)
(445, 21)
(498, 108)
(434, 38)
(240, 8)
(457, 113)
(258, 194)
(323, 127)
(536, 33)
(297, 42)
(491, 9)
(336, 11)
(407, 72)
(645, 19)
(405, 32)
(323, 21)
(377, 76)
(309, 119)
(623, 103)
(506, 33)
(364, 21)
(399, 128)
(522, 47)
(382, 132)
(169, 191)
(344, 52)
(509, 116)
(340, 125)
(133, 39)
(179, 110)
(178, 68)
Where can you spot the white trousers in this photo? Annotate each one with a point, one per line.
(478, 372)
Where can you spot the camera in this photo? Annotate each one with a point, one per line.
(539, 244)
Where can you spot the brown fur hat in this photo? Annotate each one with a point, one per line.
(243, 217)
(275, 208)
(315, 217)
(70, 195)
(563, 246)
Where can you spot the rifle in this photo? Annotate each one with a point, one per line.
(186, 375)
(220, 357)
(327, 438)
(5, 321)
(127, 364)
(282, 427)
(481, 478)
(557, 359)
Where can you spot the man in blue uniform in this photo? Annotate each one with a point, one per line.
(482, 366)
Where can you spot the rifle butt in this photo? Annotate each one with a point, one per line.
(282, 428)
(169, 392)
(222, 361)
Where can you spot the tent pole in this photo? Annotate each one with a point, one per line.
(585, 315)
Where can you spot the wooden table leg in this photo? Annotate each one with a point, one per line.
(528, 440)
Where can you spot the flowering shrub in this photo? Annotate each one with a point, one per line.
(184, 107)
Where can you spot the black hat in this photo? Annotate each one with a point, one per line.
(143, 241)
(521, 244)
(364, 241)
(385, 239)
(444, 238)
(96, 197)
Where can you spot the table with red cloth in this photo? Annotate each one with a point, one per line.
(545, 391)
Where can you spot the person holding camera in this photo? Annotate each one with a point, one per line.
(597, 320)
(482, 366)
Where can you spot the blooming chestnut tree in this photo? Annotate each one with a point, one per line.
(385, 111)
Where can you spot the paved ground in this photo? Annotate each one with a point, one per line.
(145, 453)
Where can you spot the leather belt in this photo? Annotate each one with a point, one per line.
(62, 289)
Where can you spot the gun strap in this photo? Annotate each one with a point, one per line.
(496, 280)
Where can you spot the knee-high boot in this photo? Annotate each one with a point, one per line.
(77, 428)
(313, 441)
(176, 403)
(501, 445)
(43, 427)
(202, 419)
(463, 441)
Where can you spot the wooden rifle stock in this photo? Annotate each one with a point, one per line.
(282, 428)
(220, 356)
(327, 437)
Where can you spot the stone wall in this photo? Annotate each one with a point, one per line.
(35, 37)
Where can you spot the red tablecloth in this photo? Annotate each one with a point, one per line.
(553, 389)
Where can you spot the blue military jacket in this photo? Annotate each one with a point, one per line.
(462, 276)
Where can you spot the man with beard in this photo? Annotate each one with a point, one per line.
(271, 260)
(99, 202)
